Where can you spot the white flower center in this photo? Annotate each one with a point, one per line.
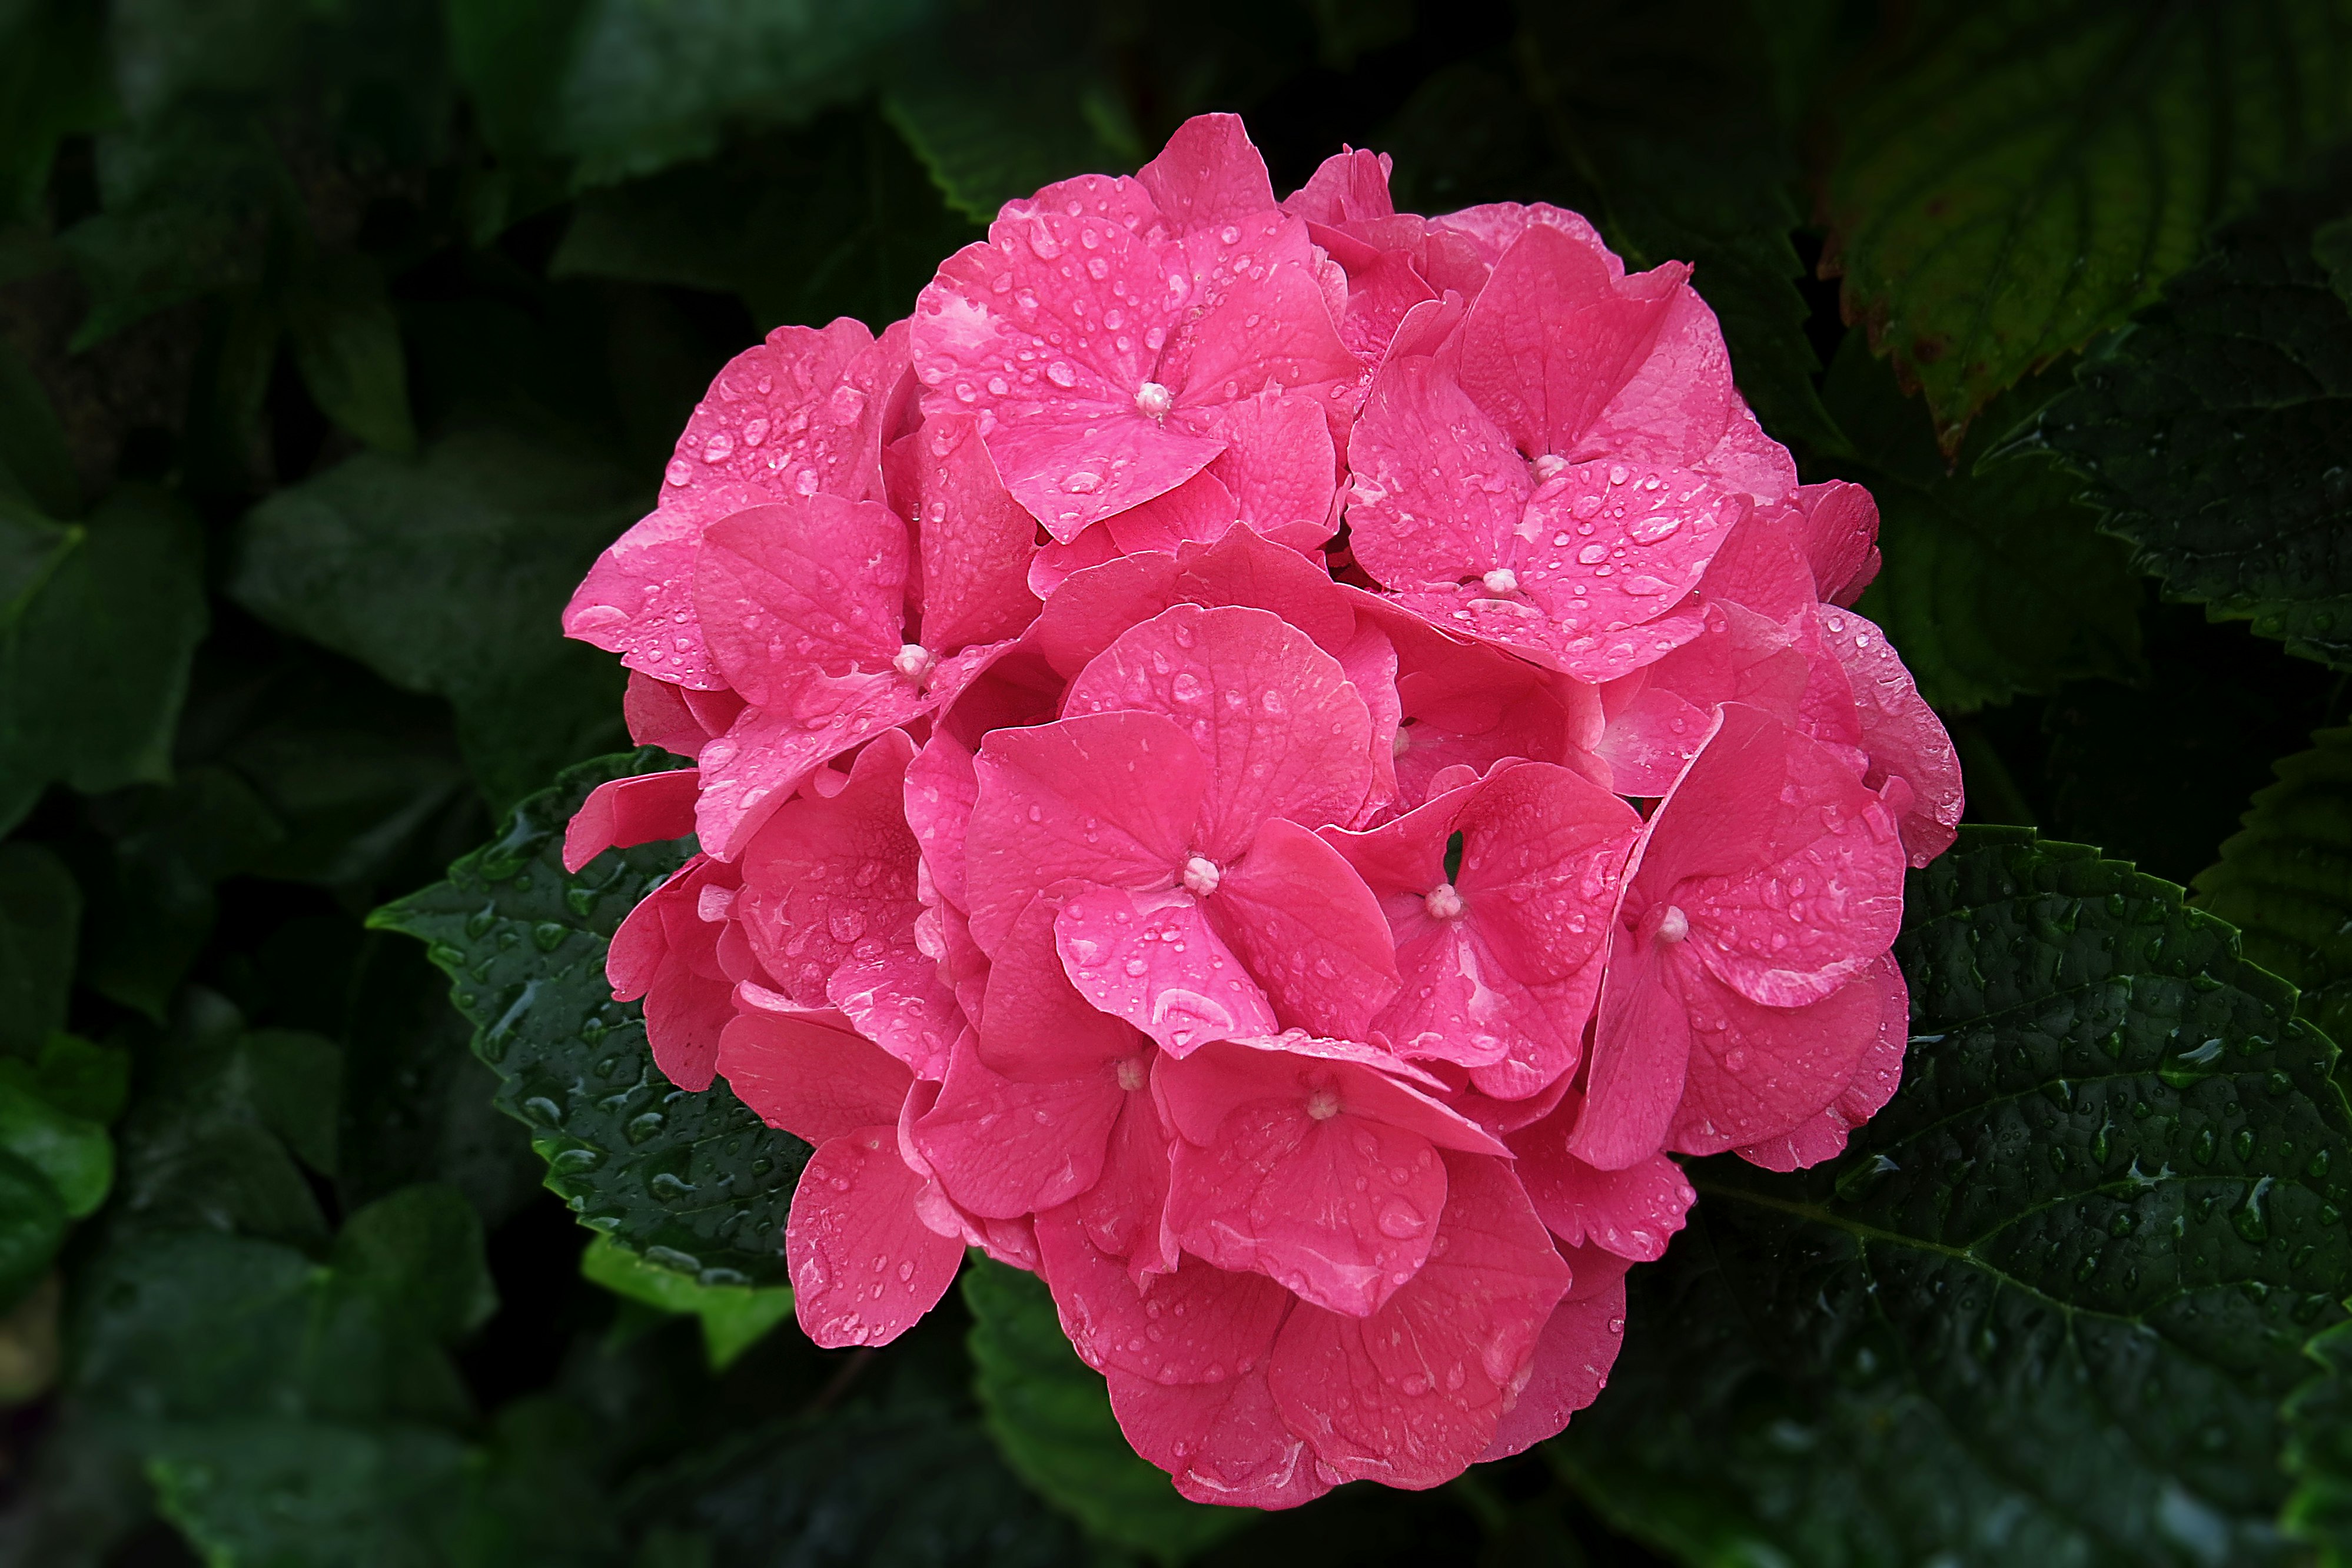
(1444, 903)
(1323, 1104)
(1154, 399)
(1502, 580)
(1401, 744)
(1201, 875)
(1674, 925)
(1130, 1073)
(914, 661)
(1548, 467)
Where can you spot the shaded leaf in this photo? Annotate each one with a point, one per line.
(2215, 432)
(264, 1493)
(734, 1318)
(448, 575)
(346, 342)
(695, 1182)
(2013, 179)
(74, 1153)
(2287, 879)
(2046, 1306)
(1051, 1419)
(40, 919)
(2319, 1450)
(99, 621)
(34, 463)
(32, 1226)
(52, 86)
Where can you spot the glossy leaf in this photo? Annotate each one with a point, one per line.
(2046, 1306)
(346, 342)
(75, 1154)
(1051, 1419)
(2013, 179)
(2285, 881)
(40, 921)
(695, 1182)
(446, 575)
(2214, 433)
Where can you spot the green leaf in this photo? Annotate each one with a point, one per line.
(2046, 1306)
(649, 86)
(448, 574)
(186, 209)
(2015, 178)
(2285, 881)
(734, 1317)
(96, 640)
(1004, 100)
(2214, 432)
(33, 461)
(839, 219)
(2319, 1449)
(1661, 110)
(420, 1250)
(40, 919)
(1994, 581)
(274, 1493)
(52, 86)
(294, 1081)
(695, 1182)
(32, 1226)
(75, 1154)
(1051, 1419)
(346, 342)
(79, 1076)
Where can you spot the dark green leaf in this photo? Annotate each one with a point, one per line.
(1661, 110)
(346, 342)
(2319, 1449)
(734, 1318)
(79, 1076)
(1995, 580)
(276, 1493)
(95, 642)
(2287, 880)
(32, 1226)
(1005, 98)
(448, 574)
(1051, 1419)
(186, 210)
(419, 1250)
(40, 919)
(2331, 246)
(2046, 1306)
(2214, 432)
(52, 86)
(2015, 178)
(837, 220)
(293, 1082)
(74, 1153)
(34, 462)
(648, 87)
(695, 1182)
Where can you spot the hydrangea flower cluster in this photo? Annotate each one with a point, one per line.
(1268, 762)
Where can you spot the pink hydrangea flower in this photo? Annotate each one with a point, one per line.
(1277, 764)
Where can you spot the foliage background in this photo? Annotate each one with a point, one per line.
(336, 337)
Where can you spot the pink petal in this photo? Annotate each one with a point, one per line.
(1154, 960)
(1196, 1094)
(1208, 174)
(1034, 1024)
(1840, 537)
(750, 771)
(659, 715)
(864, 1268)
(1759, 1074)
(827, 880)
(1220, 1442)
(1904, 737)
(806, 1074)
(1124, 1214)
(791, 593)
(1281, 728)
(1310, 931)
(1788, 869)
(1495, 227)
(1003, 1148)
(1345, 187)
(1874, 1082)
(1370, 662)
(619, 812)
(1413, 1393)
(666, 953)
(1641, 1056)
(1578, 1346)
(1632, 1212)
(1094, 607)
(1555, 336)
(1020, 326)
(1279, 464)
(1669, 711)
(1198, 1325)
(940, 787)
(1439, 490)
(1679, 409)
(897, 998)
(975, 539)
(1105, 797)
